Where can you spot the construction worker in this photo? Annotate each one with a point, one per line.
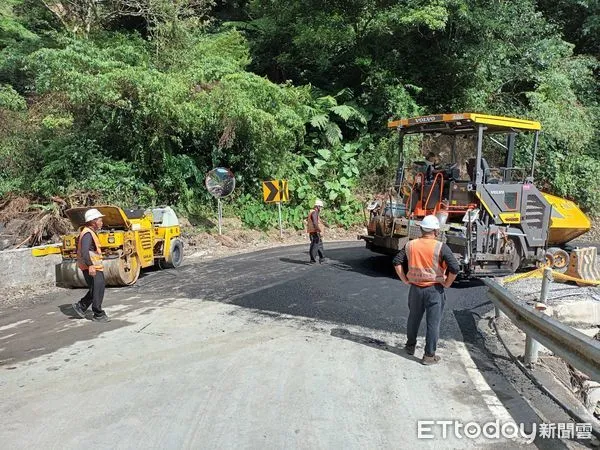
(315, 228)
(429, 266)
(89, 260)
(431, 162)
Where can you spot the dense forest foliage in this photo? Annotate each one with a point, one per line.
(133, 101)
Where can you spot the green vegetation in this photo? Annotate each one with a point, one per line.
(135, 100)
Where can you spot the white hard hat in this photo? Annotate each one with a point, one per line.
(430, 223)
(92, 214)
(319, 203)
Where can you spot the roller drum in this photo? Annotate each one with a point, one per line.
(121, 271)
(69, 275)
(117, 272)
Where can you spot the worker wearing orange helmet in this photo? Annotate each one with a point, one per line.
(315, 229)
(428, 266)
(89, 260)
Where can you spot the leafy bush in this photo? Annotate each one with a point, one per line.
(10, 100)
(257, 214)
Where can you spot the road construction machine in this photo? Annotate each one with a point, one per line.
(131, 240)
(493, 216)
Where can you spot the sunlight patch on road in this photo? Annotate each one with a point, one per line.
(16, 324)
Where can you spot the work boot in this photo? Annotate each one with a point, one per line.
(323, 261)
(103, 318)
(430, 360)
(410, 349)
(78, 310)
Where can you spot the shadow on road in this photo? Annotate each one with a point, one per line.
(354, 259)
(302, 262)
(467, 284)
(378, 344)
(67, 310)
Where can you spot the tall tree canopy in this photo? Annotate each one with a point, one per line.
(135, 100)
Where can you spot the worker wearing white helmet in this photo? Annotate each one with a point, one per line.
(428, 266)
(315, 229)
(429, 224)
(89, 260)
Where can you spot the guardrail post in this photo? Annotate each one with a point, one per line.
(545, 284)
(531, 345)
(498, 313)
(531, 351)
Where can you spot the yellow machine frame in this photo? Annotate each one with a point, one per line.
(129, 243)
(473, 118)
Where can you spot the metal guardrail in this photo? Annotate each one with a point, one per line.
(579, 350)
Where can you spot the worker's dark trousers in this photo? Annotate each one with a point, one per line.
(316, 246)
(429, 301)
(95, 293)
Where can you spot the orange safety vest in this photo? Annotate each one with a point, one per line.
(425, 266)
(96, 256)
(310, 227)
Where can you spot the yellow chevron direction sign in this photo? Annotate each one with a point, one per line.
(283, 191)
(271, 191)
(275, 191)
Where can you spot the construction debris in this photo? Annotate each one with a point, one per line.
(23, 223)
(583, 266)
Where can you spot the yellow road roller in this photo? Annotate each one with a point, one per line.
(131, 239)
